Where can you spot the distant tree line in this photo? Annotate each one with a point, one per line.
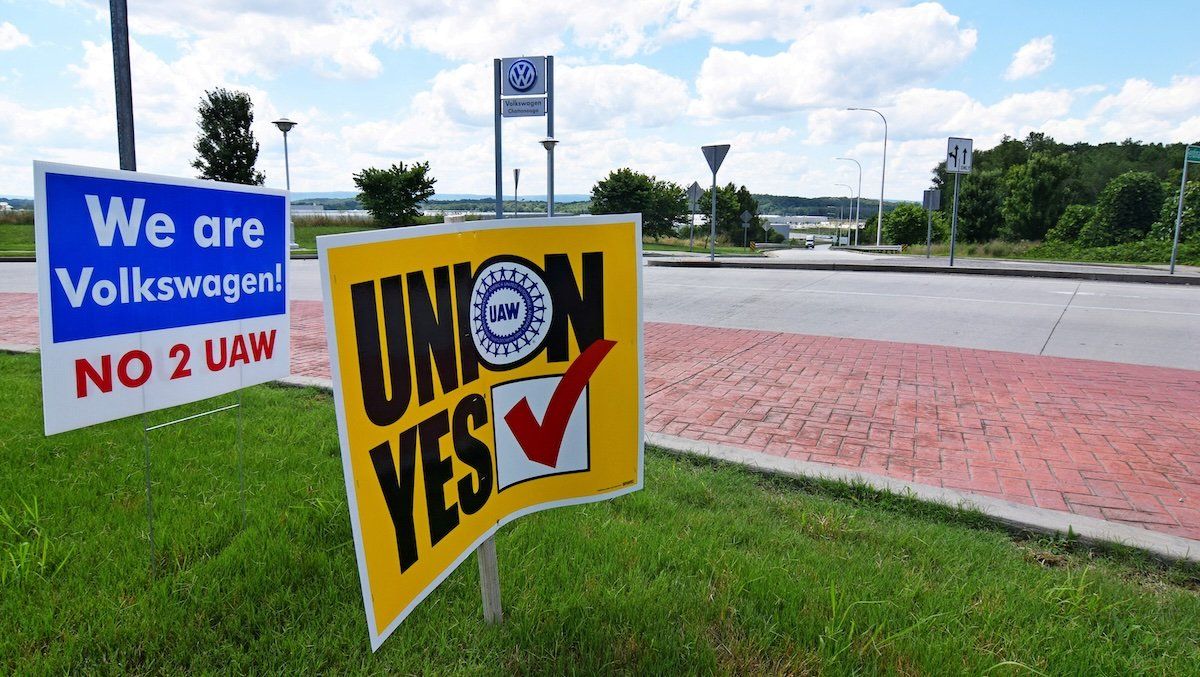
(664, 208)
(1083, 194)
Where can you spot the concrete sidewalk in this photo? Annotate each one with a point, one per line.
(1096, 440)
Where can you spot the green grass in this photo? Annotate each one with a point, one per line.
(709, 569)
(1142, 252)
(16, 239)
(671, 244)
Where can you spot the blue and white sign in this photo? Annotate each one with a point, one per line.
(523, 76)
(155, 291)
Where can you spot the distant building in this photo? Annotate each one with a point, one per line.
(5, 207)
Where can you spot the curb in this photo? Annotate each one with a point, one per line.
(1024, 517)
(1094, 275)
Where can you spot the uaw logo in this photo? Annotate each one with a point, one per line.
(522, 75)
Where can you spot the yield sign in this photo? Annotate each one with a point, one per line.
(715, 155)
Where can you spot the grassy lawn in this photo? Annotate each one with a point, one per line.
(710, 569)
(306, 234)
(16, 239)
(681, 245)
(1133, 253)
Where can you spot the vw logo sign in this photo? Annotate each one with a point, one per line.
(510, 313)
(522, 75)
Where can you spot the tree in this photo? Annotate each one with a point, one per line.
(1127, 207)
(1071, 223)
(662, 204)
(226, 149)
(392, 195)
(979, 198)
(909, 223)
(1189, 228)
(1034, 196)
(729, 222)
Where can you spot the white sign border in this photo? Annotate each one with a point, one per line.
(327, 242)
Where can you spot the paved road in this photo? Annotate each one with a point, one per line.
(1147, 324)
(1134, 323)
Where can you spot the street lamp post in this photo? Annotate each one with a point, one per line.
(882, 176)
(858, 198)
(285, 125)
(516, 198)
(850, 190)
(549, 143)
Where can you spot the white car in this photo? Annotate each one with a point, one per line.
(810, 242)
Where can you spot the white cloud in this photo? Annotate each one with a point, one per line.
(836, 62)
(11, 37)
(1034, 57)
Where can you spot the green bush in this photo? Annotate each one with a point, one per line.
(908, 224)
(1189, 229)
(1127, 207)
(1071, 223)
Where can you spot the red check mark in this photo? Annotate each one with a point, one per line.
(541, 442)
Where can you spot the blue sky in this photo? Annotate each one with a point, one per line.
(641, 83)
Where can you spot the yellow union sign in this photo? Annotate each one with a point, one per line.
(482, 371)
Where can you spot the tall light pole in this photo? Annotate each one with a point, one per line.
(858, 198)
(850, 190)
(882, 176)
(285, 125)
(549, 143)
(516, 199)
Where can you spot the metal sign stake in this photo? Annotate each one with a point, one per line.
(954, 222)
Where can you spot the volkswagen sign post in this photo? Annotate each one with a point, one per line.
(523, 86)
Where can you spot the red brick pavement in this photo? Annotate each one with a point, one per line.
(1113, 441)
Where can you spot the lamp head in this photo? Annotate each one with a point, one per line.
(285, 125)
(549, 143)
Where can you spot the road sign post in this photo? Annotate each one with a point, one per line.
(1190, 154)
(693, 196)
(958, 161)
(931, 201)
(715, 156)
(746, 216)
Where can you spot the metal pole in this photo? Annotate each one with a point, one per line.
(929, 233)
(516, 197)
(496, 124)
(1179, 209)
(954, 221)
(712, 237)
(149, 493)
(691, 229)
(550, 180)
(123, 83)
(287, 177)
(550, 134)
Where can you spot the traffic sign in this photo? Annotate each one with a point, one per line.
(958, 155)
(746, 216)
(523, 107)
(932, 200)
(715, 155)
(1193, 153)
(523, 75)
(693, 195)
